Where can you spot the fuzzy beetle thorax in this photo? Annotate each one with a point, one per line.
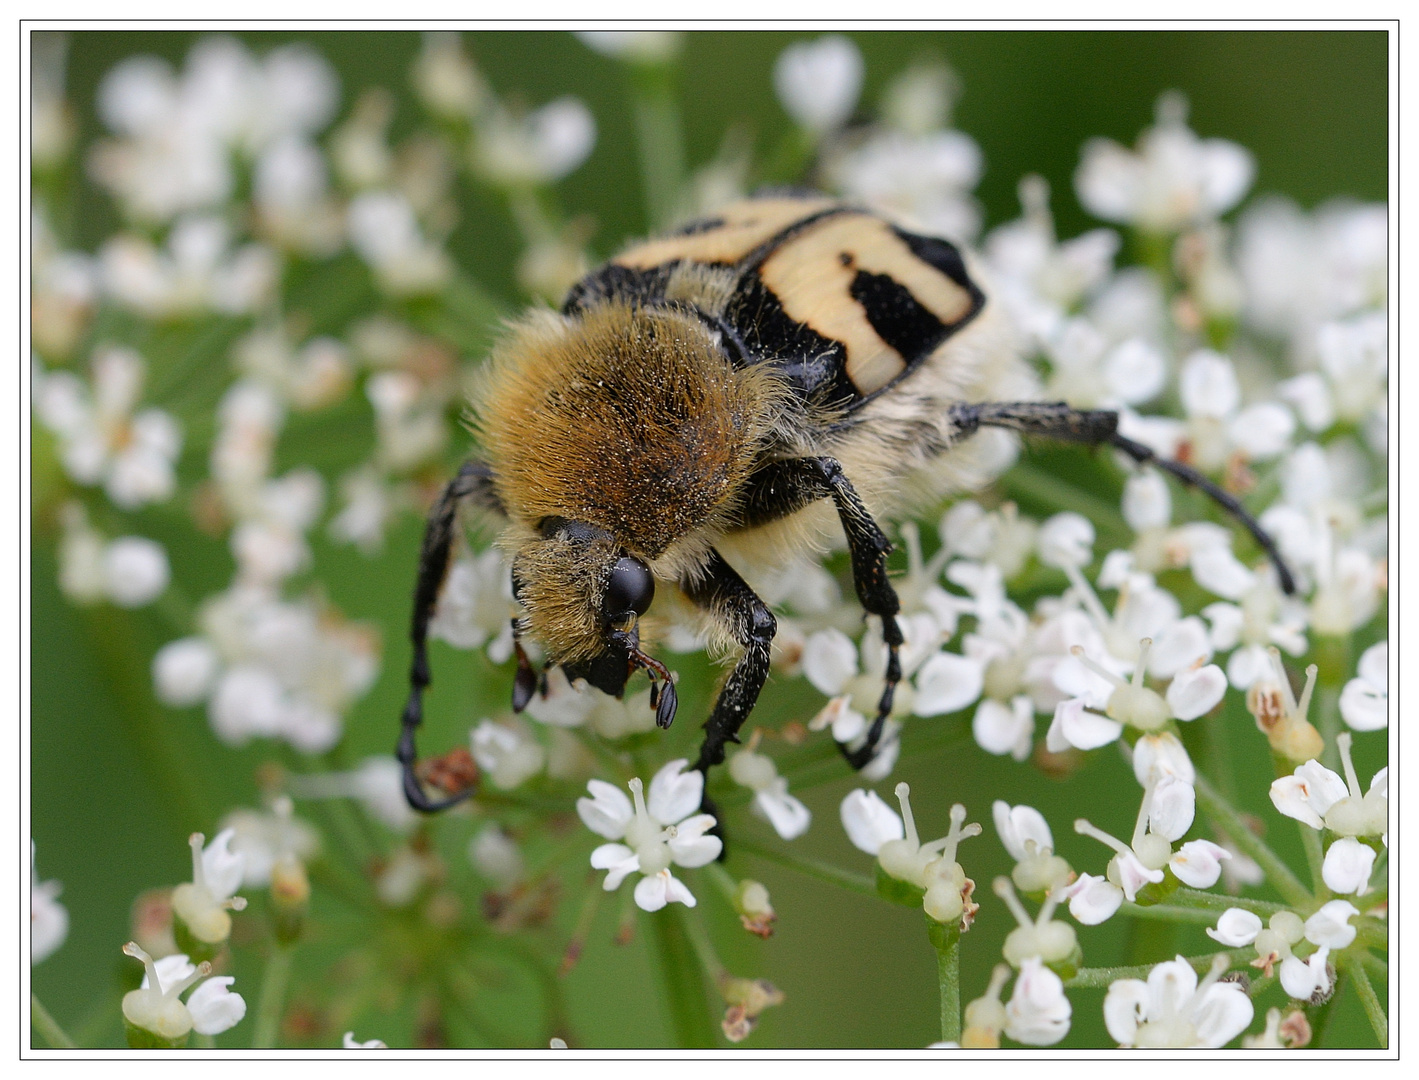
(628, 419)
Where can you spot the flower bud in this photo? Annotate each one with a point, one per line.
(751, 902)
(746, 999)
(290, 898)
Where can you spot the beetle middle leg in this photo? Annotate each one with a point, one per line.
(784, 487)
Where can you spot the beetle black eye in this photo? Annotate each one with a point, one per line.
(629, 588)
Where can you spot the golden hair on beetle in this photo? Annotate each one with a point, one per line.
(631, 420)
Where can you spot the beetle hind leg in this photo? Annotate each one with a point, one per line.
(1098, 427)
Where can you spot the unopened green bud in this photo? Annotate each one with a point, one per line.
(290, 898)
(751, 902)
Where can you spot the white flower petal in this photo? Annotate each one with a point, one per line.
(1001, 729)
(1172, 808)
(1066, 539)
(1198, 863)
(1147, 503)
(1179, 646)
(1222, 1015)
(1195, 693)
(1304, 978)
(1347, 866)
(1133, 875)
(818, 82)
(1236, 927)
(1374, 665)
(674, 795)
(650, 892)
(618, 859)
(947, 683)
(829, 661)
(185, 670)
(1093, 899)
(1262, 430)
(1330, 926)
(1208, 385)
(869, 822)
(1125, 1007)
(1038, 1012)
(691, 846)
(1156, 756)
(221, 867)
(607, 812)
(1018, 825)
(789, 817)
(214, 1008)
(1076, 726)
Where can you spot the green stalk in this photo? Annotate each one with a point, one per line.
(1370, 1000)
(1170, 913)
(1101, 977)
(948, 977)
(1186, 897)
(691, 1011)
(46, 1025)
(272, 999)
(1315, 859)
(659, 147)
(860, 883)
(723, 881)
(1321, 1015)
(1047, 490)
(1277, 872)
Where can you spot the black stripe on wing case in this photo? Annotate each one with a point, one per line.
(897, 316)
(945, 257)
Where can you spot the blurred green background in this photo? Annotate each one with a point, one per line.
(118, 781)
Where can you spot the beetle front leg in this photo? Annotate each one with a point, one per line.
(474, 481)
(722, 591)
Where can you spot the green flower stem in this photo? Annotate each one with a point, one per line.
(691, 1010)
(723, 881)
(860, 883)
(585, 917)
(703, 946)
(168, 762)
(1101, 977)
(46, 1025)
(272, 1000)
(206, 1042)
(1370, 1000)
(1173, 913)
(659, 144)
(1186, 897)
(1375, 967)
(1277, 872)
(1315, 859)
(1321, 1015)
(1372, 932)
(1044, 489)
(947, 941)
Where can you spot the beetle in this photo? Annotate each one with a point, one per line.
(728, 393)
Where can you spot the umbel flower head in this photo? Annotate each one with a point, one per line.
(1320, 798)
(155, 1015)
(202, 904)
(1172, 1009)
(873, 827)
(657, 831)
